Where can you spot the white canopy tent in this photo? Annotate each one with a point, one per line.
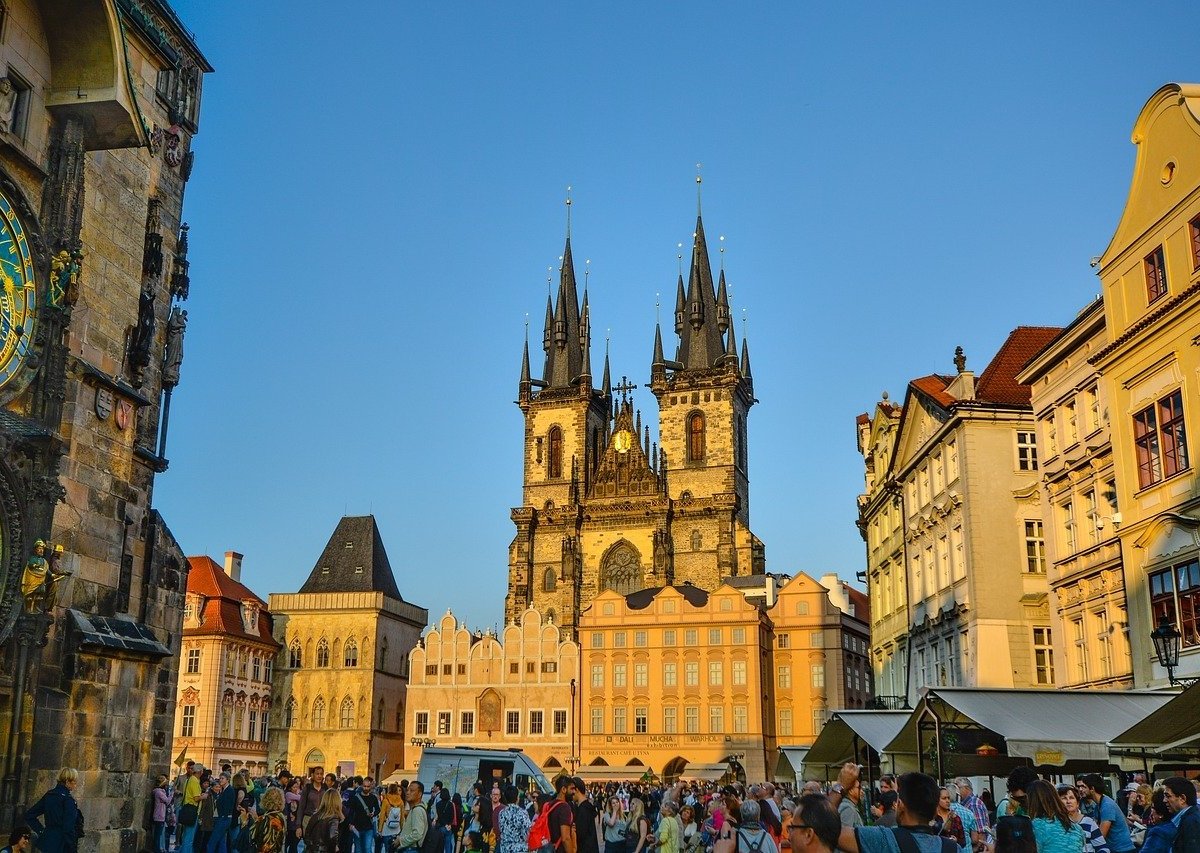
(845, 736)
(1174, 726)
(1045, 727)
(697, 772)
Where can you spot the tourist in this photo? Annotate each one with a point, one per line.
(1052, 826)
(291, 813)
(364, 809)
(324, 828)
(416, 823)
(667, 836)
(637, 835)
(691, 836)
(20, 841)
(814, 826)
(268, 833)
(1111, 820)
(848, 805)
(1094, 840)
(883, 810)
(391, 818)
(1014, 834)
(614, 824)
(1180, 795)
(63, 822)
(1162, 831)
(209, 788)
(561, 821)
(947, 823)
(748, 835)
(1137, 803)
(160, 798)
(587, 821)
(915, 810)
(512, 824)
(1018, 781)
(310, 798)
(977, 807)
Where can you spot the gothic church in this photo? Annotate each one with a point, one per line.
(602, 506)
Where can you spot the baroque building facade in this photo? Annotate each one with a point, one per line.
(226, 666)
(1150, 278)
(964, 469)
(604, 507)
(96, 126)
(1082, 548)
(516, 690)
(342, 676)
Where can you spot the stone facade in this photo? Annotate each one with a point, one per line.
(518, 689)
(1150, 275)
(602, 506)
(93, 167)
(342, 677)
(227, 664)
(1082, 549)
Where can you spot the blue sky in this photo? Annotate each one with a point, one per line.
(378, 193)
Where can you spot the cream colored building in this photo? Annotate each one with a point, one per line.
(227, 660)
(1150, 274)
(821, 657)
(472, 689)
(676, 676)
(1082, 551)
(881, 523)
(966, 464)
(342, 674)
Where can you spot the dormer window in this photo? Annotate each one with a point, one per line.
(250, 617)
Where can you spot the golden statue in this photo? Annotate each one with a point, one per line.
(39, 580)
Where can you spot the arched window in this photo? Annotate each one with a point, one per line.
(315, 759)
(295, 659)
(697, 540)
(318, 721)
(695, 434)
(379, 721)
(554, 468)
(323, 653)
(621, 569)
(346, 715)
(350, 654)
(289, 713)
(741, 441)
(383, 654)
(549, 581)
(400, 717)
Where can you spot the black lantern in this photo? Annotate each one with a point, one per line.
(1166, 639)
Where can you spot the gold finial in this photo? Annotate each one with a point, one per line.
(568, 212)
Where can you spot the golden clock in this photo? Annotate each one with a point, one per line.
(622, 441)
(18, 293)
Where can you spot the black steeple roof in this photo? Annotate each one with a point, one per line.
(354, 561)
(565, 357)
(701, 346)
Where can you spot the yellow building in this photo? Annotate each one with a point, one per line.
(674, 676)
(965, 463)
(342, 674)
(881, 523)
(227, 661)
(604, 508)
(518, 690)
(1150, 274)
(1082, 550)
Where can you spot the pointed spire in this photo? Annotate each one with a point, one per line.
(731, 353)
(658, 350)
(549, 323)
(701, 340)
(680, 306)
(646, 442)
(606, 383)
(746, 360)
(585, 342)
(525, 377)
(722, 305)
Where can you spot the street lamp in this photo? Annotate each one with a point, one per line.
(423, 742)
(1166, 639)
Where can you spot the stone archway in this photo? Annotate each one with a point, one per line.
(673, 769)
(621, 569)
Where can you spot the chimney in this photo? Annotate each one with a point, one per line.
(233, 565)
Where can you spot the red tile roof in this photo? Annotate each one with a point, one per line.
(222, 612)
(862, 419)
(934, 387)
(998, 382)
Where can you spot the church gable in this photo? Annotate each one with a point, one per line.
(626, 469)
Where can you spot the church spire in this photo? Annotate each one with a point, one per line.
(731, 353)
(585, 344)
(746, 359)
(566, 352)
(606, 382)
(701, 346)
(722, 304)
(658, 361)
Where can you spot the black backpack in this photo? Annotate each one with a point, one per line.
(435, 836)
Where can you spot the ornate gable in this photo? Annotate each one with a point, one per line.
(921, 417)
(625, 471)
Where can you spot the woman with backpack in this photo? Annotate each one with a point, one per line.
(321, 834)
(638, 838)
(268, 833)
(392, 811)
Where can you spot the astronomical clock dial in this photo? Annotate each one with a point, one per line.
(622, 441)
(18, 294)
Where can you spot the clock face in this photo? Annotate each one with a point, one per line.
(622, 441)
(18, 296)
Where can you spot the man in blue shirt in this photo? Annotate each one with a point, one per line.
(1180, 795)
(1112, 823)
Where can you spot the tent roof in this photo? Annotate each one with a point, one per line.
(1047, 726)
(602, 773)
(835, 743)
(1175, 724)
(704, 772)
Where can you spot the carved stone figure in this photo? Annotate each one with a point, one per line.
(64, 279)
(40, 579)
(173, 356)
(8, 104)
(142, 336)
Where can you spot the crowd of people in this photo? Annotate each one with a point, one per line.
(224, 811)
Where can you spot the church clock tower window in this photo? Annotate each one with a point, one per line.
(695, 433)
(549, 581)
(555, 468)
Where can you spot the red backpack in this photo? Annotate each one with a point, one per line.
(539, 833)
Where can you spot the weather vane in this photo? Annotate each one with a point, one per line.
(568, 211)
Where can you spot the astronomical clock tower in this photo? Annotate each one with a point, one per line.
(606, 505)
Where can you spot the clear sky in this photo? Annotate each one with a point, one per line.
(378, 193)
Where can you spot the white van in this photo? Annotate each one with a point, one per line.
(458, 768)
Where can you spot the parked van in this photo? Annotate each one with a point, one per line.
(458, 768)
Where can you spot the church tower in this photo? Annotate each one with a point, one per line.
(704, 396)
(605, 508)
(566, 420)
